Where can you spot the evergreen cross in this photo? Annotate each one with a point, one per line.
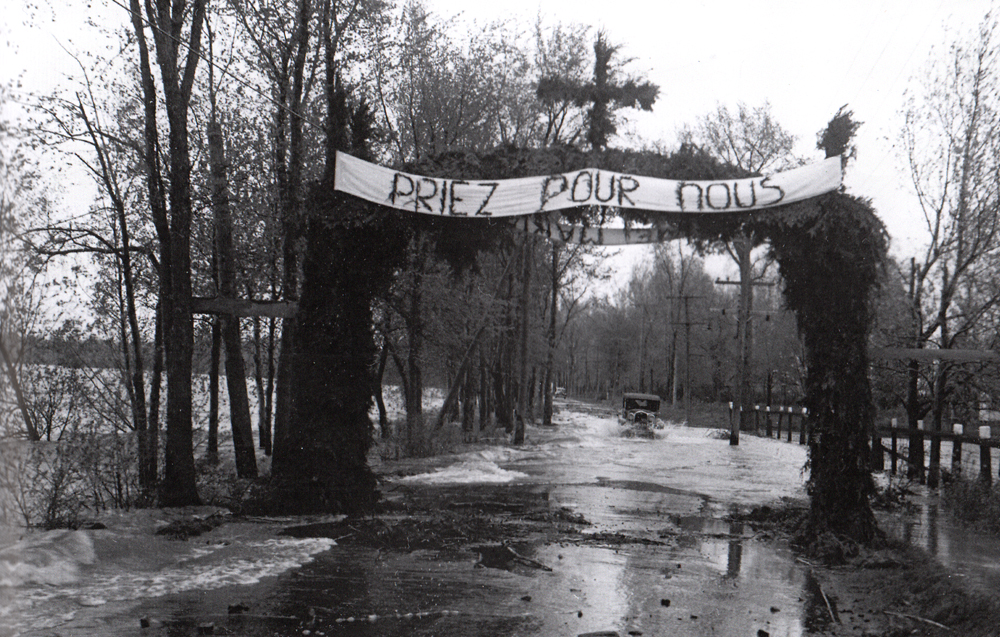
(600, 93)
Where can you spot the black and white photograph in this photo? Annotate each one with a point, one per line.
(429, 318)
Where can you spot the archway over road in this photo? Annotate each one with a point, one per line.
(830, 248)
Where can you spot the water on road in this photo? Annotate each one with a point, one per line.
(657, 558)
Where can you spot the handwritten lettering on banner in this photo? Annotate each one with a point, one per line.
(549, 227)
(590, 186)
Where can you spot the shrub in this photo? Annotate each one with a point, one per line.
(56, 484)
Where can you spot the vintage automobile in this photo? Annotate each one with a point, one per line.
(639, 415)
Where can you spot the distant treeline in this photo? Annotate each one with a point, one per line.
(72, 351)
(78, 351)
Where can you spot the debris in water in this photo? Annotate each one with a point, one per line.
(504, 557)
(185, 529)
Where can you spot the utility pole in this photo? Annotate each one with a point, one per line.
(687, 323)
(687, 361)
(743, 246)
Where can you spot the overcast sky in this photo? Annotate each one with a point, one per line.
(807, 58)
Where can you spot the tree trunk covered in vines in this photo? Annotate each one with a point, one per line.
(351, 252)
(831, 265)
(323, 467)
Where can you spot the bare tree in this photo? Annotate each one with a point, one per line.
(18, 273)
(91, 130)
(236, 377)
(284, 37)
(172, 26)
(952, 141)
(751, 140)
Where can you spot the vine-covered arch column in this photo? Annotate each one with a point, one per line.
(830, 253)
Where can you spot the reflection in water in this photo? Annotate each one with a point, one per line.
(969, 553)
(735, 550)
(680, 571)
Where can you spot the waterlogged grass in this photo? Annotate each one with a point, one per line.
(974, 503)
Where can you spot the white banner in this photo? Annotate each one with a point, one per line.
(587, 187)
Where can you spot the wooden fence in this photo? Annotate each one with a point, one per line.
(777, 420)
(785, 421)
(917, 455)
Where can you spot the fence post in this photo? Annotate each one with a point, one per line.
(802, 428)
(767, 421)
(730, 416)
(985, 464)
(917, 453)
(878, 453)
(789, 424)
(892, 458)
(781, 412)
(956, 450)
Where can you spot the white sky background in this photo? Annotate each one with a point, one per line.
(807, 58)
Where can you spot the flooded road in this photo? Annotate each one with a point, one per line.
(637, 545)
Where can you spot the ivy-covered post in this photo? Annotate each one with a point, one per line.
(350, 256)
(831, 252)
(831, 266)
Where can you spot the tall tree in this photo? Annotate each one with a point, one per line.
(832, 266)
(17, 272)
(284, 37)
(953, 143)
(568, 265)
(173, 26)
(107, 151)
(236, 376)
(437, 93)
(350, 255)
